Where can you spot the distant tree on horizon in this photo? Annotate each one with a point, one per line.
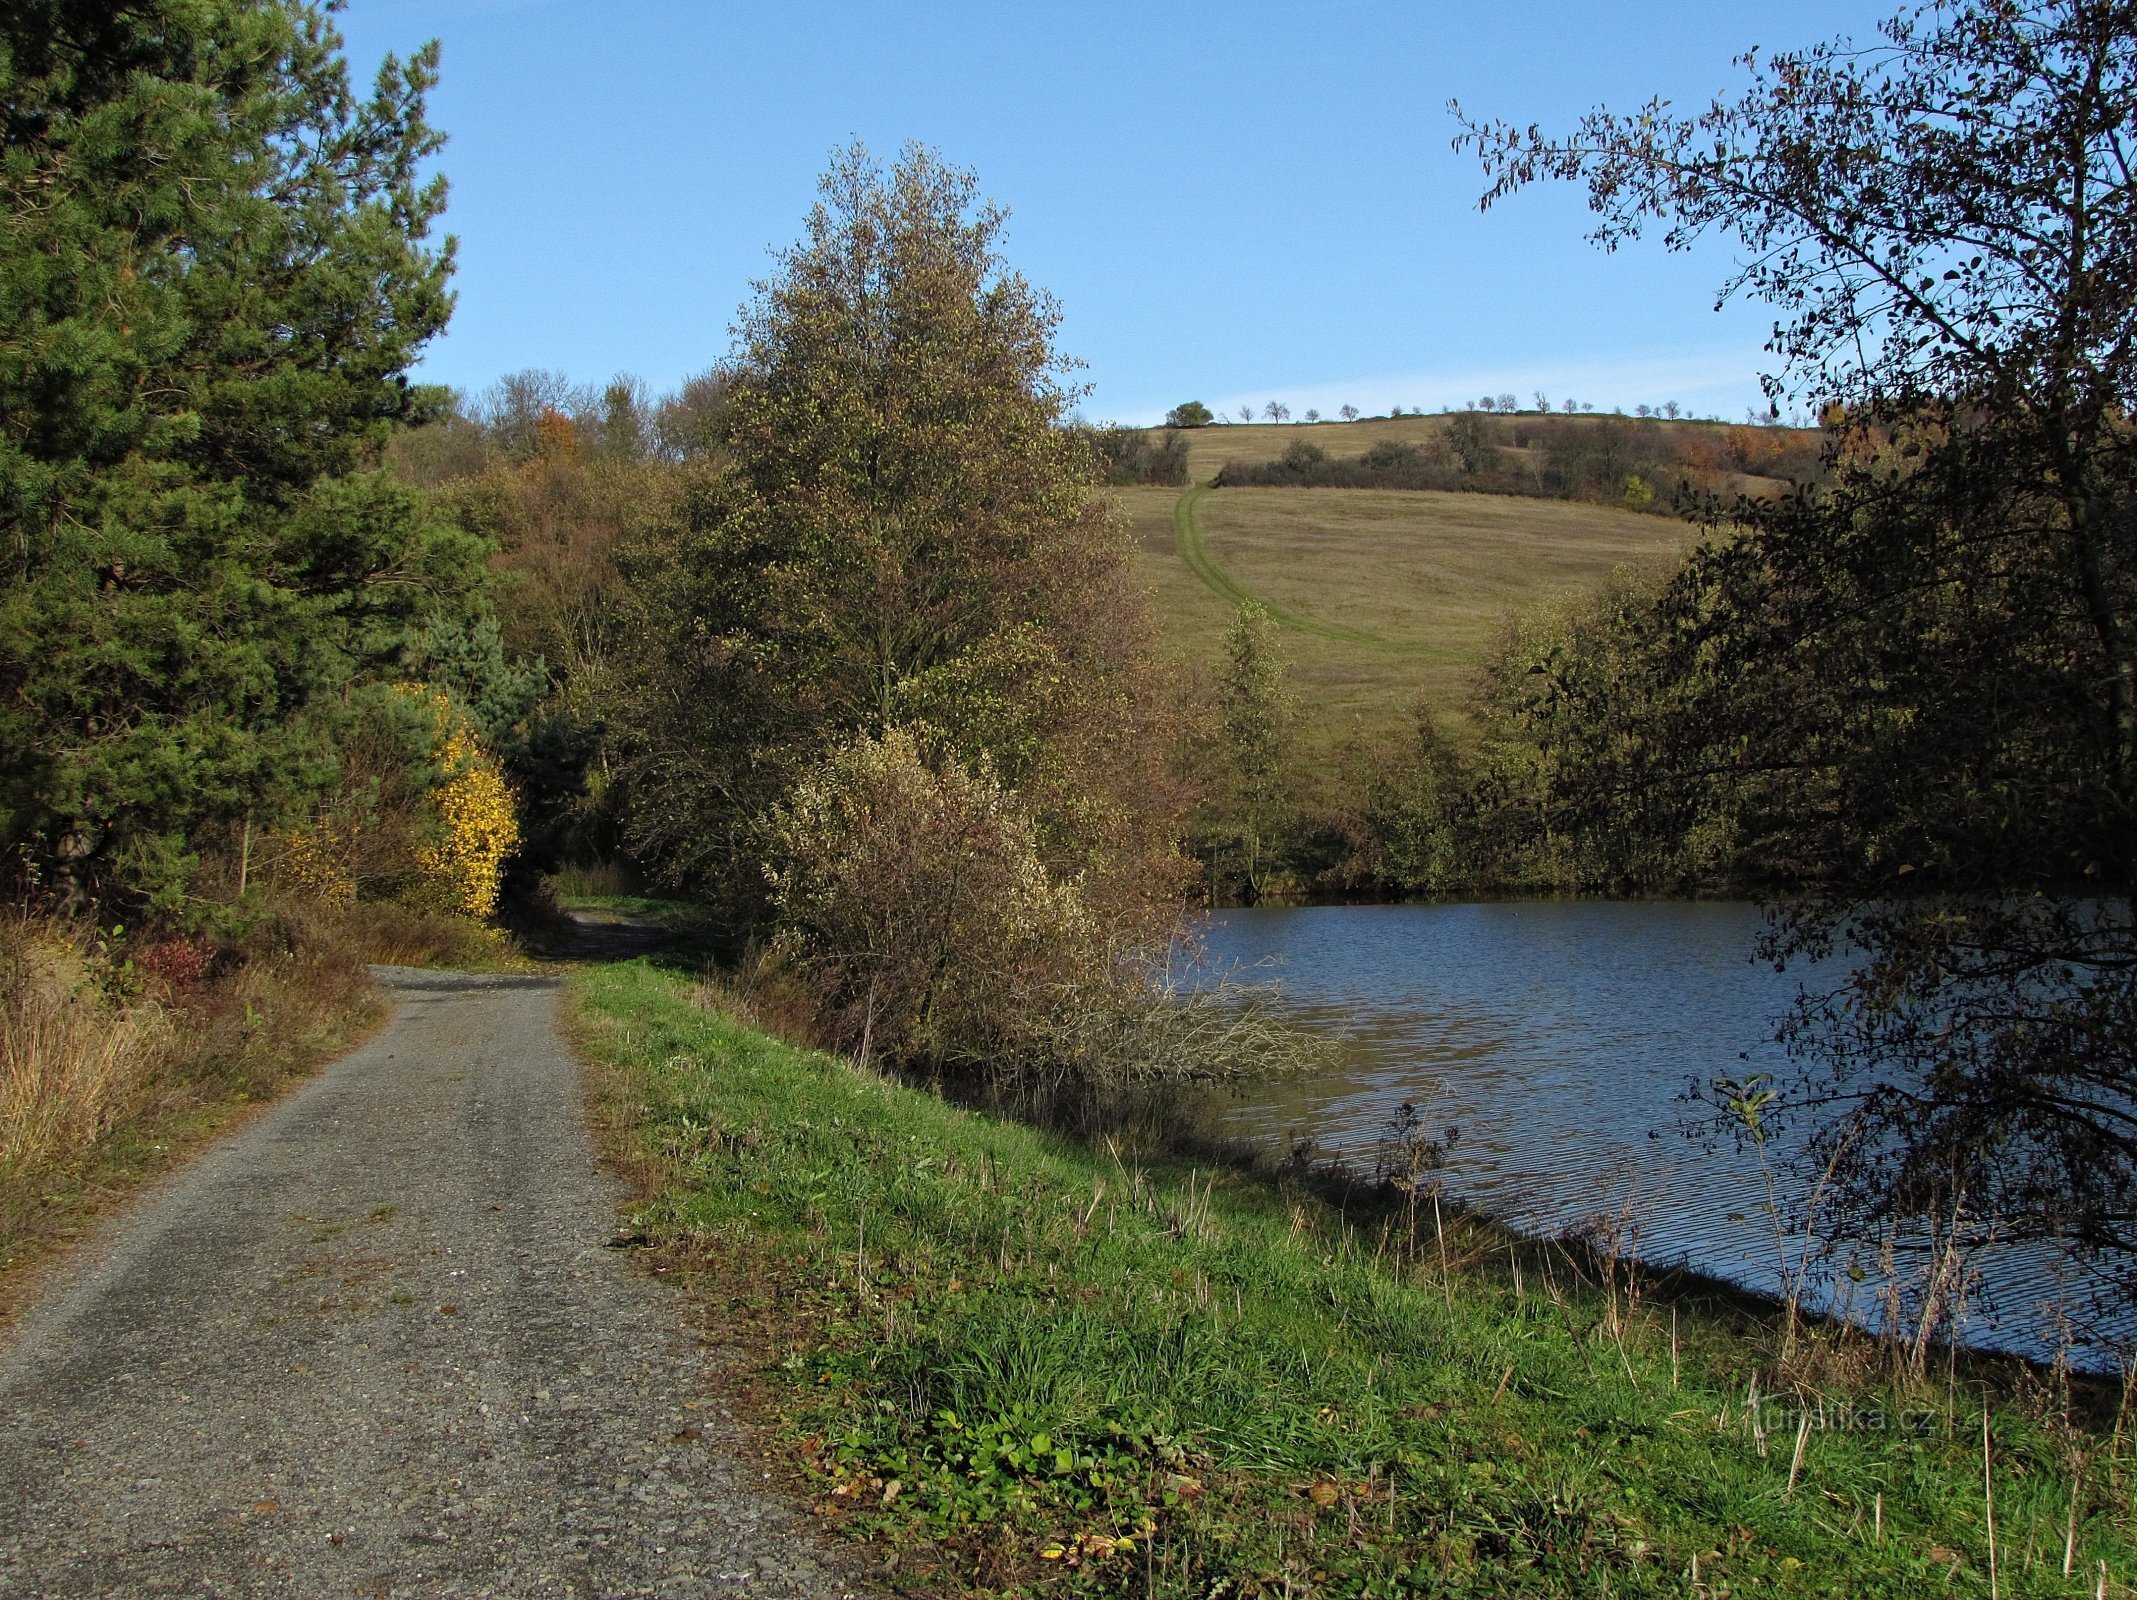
(1277, 411)
(1189, 414)
(1348, 413)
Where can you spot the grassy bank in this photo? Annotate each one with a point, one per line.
(1013, 1363)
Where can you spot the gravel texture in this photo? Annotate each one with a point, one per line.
(375, 1345)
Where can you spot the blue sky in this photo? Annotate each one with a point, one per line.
(1234, 203)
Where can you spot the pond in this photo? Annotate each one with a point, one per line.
(1560, 1038)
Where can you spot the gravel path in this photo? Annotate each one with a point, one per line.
(375, 1346)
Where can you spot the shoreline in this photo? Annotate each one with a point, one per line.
(1001, 1358)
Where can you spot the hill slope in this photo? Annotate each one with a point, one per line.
(1385, 596)
(1724, 457)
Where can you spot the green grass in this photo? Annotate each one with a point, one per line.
(1011, 1364)
(1387, 597)
(675, 914)
(1191, 543)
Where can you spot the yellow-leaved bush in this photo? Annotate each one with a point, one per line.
(317, 856)
(463, 862)
(424, 814)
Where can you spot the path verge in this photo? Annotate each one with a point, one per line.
(1004, 1359)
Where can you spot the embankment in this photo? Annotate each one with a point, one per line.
(1001, 1357)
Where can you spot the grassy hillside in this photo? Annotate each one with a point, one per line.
(1210, 448)
(1385, 596)
(1730, 456)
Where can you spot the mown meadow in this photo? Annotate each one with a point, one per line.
(1386, 599)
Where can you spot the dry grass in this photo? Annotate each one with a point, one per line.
(116, 1065)
(75, 1059)
(1210, 448)
(601, 880)
(1412, 586)
(395, 935)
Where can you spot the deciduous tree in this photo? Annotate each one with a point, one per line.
(1926, 676)
(896, 530)
(1257, 717)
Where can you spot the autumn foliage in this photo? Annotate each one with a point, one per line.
(895, 530)
(425, 815)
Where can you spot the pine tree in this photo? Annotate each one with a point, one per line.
(214, 277)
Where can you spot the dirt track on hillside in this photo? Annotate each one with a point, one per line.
(374, 1345)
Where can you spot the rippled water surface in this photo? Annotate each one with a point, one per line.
(1559, 1038)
